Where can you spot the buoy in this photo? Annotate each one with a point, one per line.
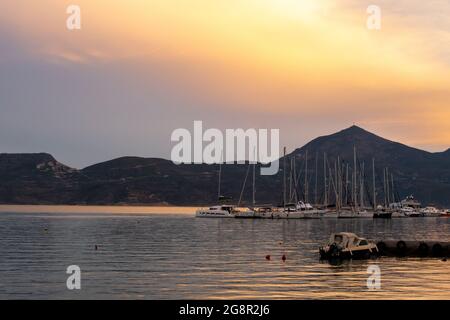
(268, 257)
(283, 257)
(96, 247)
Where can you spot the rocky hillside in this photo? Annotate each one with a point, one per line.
(40, 179)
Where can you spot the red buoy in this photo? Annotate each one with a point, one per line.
(268, 257)
(283, 257)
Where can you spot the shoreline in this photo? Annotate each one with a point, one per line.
(96, 209)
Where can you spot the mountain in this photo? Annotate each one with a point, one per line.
(423, 174)
(40, 179)
(36, 178)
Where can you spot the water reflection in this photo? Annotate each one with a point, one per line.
(177, 256)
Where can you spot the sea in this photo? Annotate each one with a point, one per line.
(167, 253)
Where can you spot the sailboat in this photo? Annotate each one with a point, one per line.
(218, 211)
(357, 210)
(248, 213)
(297, 209)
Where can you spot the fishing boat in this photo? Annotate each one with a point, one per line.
(345, 245)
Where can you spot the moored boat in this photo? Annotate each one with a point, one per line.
(352, 214)
(221, 211)
(445, 213)
(410, 212)
(431, 212)
(246, 213)
(346, 245)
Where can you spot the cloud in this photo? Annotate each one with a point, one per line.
(136, 71)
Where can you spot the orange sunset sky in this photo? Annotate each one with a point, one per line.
(139, 69)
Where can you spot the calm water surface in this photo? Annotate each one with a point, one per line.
(150, 255)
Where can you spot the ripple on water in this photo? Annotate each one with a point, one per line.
(176, 256)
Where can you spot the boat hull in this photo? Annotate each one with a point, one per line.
(347, 255)
(382, 215)
(213, 214)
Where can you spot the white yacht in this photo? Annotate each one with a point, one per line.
(330, 214)
(365, 214)
(299, 210)
(409, 212)
(410, 202)
(246, 213)
(307, 211)
(222, 211)
(353, 214)
(431, 212)
(409, 207)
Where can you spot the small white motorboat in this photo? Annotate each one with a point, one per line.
(346, 245)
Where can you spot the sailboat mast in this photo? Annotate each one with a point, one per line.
(392, 188)
(384, 188)
(355, 201)
(316, 181)
(361, 185)
(325, 192)
(284, 177)
(306, 176)
(340, 182)
(336, 195)
(388, 191)
(220, 175)
(374, 185)
(336, 189)
(346, 184)
(254, 188)
(290, 179)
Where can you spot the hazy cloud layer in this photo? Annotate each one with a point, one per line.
(139, 69)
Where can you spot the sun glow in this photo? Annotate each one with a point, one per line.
(308, 10)
(292, 57)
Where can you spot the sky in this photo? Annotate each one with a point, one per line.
(138, 69)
